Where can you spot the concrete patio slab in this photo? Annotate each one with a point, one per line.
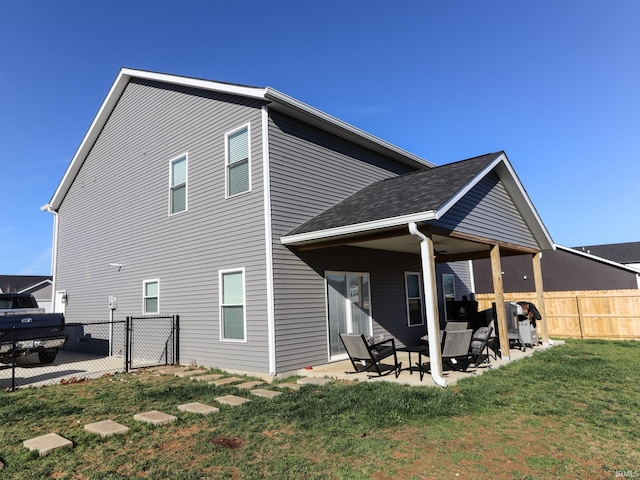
(259, 392)
(337, 370)
(207, 378)
(248, 385)
(225, 381)
(232, 400)
(106, 428)
(155, 417)
(47, 443)
(197, 407)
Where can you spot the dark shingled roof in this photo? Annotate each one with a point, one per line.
(415, 192)
(616, 252)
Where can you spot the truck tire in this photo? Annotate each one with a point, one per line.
(47, 356)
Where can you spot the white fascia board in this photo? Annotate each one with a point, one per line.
(284, 99)
(595, 258)
(320, 235)
(464, 190)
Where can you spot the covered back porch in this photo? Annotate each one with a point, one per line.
(476, 208)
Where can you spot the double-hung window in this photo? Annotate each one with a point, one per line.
(178, 184)
(232, 305)
(237, 161)
(414, 299)
(151, 296)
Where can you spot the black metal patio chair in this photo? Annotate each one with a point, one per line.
(366, 356)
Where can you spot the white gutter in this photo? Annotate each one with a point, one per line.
(268, 240)
(433, 329)
(318, 235)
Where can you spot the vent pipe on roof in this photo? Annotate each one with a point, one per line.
(429, 282)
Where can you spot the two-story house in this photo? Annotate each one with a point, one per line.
(269, 226)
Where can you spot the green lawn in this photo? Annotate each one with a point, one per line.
(569, 412)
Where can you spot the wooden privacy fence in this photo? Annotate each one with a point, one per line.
(605, 314)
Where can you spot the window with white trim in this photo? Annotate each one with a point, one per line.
(415, 301)
(178, 185)
(151, 296)
(238, 176)
(232, 305)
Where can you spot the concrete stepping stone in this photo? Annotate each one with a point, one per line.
(197, 407)
(259, 392)
(47, 443)
(106, 428)
(314, 381)
(225, 381)
(155, 417)
(249, 385)
(169, 369)
(290, 386)
(232, 400)
(190, 373)
(207, 378)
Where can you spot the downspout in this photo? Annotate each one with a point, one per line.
(433, 329)
(54, 251)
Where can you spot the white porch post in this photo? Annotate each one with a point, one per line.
(431, 303)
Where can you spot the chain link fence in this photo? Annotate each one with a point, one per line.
(90, 350)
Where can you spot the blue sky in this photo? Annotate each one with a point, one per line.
(555, 84)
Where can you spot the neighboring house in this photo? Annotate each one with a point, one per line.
(625, 253)
(563, 269)
(269, 226)
(38, 286)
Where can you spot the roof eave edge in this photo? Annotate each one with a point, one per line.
(321, 235)
(284, 99)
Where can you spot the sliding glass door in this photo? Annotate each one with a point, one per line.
(349, 308)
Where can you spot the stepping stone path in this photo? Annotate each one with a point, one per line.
(47, 443)
(232, 400)
(190, 373)
(225, 381)
(290, 386)
(155, 417)
(265, 393)
(106, 428)
(197, 407)
(248, 385)
(207, 378)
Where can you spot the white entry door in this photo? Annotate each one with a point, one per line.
(349, 308)
(60, 302)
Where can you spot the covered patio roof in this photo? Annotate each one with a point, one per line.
(377, 216)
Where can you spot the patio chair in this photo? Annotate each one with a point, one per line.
(455, 352)
(480, 344)
(366, 356)
(449, 326)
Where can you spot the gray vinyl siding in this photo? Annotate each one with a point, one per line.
(117, 211)
(488, 211)
(310, 171)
